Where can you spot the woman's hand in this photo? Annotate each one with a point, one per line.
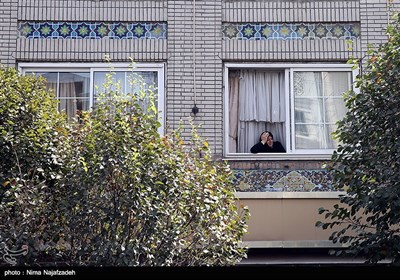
(264, 137)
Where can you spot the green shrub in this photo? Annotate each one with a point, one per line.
(34, 153)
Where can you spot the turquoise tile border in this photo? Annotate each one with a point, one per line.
(291, 31)
(93, 30)
(277, 180)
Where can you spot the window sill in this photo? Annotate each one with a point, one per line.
(276, 156)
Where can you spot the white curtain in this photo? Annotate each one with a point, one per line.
(261, 99)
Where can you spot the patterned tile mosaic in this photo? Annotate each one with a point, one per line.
(290, 31)
(93, 30)
(282, 180)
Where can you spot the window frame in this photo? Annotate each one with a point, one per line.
(106, 67)
(289, 68)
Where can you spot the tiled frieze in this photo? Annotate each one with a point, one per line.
(290, 31)
(93, 30)
(275, 180)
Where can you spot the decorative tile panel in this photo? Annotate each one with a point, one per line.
(291, 31)
(93, 30)
(282, 180)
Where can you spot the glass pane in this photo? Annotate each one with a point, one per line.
(331, 143)
(141, 81)
(118, 82)
(307, 84)
(143, 84)
(335, 109)
(309, 136)
(336, 83)
(73, 106)
(51, 79)
(318, 105)
(308, 110)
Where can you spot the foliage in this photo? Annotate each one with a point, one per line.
(33, 154)
(130, 197)
(367, 163)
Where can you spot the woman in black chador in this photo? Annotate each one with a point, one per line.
(267, 144)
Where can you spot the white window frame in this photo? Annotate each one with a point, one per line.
(115, 67)
(323, 154)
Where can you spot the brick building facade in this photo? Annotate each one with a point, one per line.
(192, 47)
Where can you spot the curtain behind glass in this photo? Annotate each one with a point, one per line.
(233, 110)
(68, 98)
(261, 107)
(73, 93)
(318, 106)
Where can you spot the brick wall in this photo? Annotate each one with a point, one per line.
(8, 32)
(374, 17)
(201, 84)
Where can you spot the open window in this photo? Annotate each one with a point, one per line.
(300, 104)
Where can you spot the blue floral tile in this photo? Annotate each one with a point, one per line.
(266, 31)
(120, 30)
(230, 30)
(46, 30)
(64, 30)
(139, 30)
(102, 30)
(248, 31)
(26, 29)
(84, 30)
(158, 31)
(302, 30)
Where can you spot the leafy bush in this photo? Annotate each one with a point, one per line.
(130, 197)
(34, 152)
(367, 163)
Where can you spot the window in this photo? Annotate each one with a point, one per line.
(300, 104)
(77, 85)
(318, 105)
